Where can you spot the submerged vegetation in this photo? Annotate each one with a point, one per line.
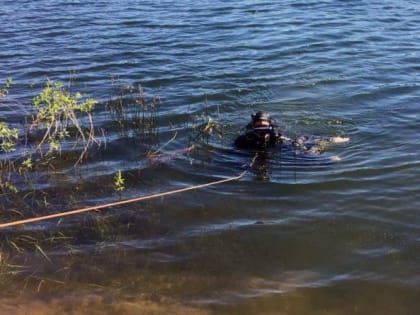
(119, 182)
(4, 90)
(134, 113)
(62, 133)
(57, 120)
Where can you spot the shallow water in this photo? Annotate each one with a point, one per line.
(336, 233)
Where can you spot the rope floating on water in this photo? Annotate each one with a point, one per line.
(123, 202)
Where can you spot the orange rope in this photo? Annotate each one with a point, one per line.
(121, 202)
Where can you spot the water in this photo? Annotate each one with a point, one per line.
(316, 236)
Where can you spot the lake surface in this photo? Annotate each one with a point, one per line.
(337, 233)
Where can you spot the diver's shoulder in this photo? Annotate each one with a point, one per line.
(241, 141)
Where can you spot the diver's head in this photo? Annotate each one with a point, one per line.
(262, 129)
(261, 119)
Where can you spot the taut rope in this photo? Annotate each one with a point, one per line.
(124, 202)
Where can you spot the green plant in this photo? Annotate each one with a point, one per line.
(134, 113)
(60, 112)
(5, 90)
(119, 182)
(26, 165)
(8, 137)
(204, 127)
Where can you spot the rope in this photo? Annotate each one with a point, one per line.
(124, 202)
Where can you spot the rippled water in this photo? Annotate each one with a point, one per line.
(336, 233)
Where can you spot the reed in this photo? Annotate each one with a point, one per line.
(133, 113)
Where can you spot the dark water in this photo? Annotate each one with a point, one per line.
(337, 233)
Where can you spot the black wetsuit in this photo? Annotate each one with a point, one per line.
(258, 139)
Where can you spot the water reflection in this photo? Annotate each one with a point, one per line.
(261, 165)
(303, 152)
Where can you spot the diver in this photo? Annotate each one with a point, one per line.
(260, 134)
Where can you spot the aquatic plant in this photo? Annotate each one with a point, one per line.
(119, 182)
(4, 90)
(54, 109)
(204, 127)
(61, 119)
(134, 113)
(8, 137)
(59, 114)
